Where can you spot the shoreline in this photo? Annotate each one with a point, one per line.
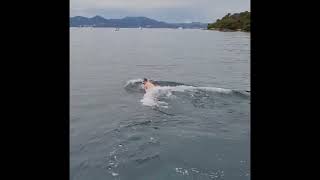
(227, 30)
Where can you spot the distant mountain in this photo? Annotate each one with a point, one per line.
(129, 22)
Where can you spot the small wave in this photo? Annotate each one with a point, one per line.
(133, 81)
(147, 158)
(139, 123)
(134, 85)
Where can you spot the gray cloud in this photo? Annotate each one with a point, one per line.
(164, 10)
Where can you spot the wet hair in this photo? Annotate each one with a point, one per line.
(145, 79)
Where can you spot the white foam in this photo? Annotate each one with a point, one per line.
(114, 174)
(214, 89)
(150, 98)
(132, 81)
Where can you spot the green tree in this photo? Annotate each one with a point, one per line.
(233, 22)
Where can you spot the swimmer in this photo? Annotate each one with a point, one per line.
(147, 84)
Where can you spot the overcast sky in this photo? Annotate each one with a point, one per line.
(163, 10)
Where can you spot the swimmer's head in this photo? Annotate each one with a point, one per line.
(144, 80)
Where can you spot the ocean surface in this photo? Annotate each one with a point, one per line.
(195, 125)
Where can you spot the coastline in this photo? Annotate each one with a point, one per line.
(227, 30)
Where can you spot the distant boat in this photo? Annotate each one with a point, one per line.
(140, 28)
(180, 27)
(117, 29)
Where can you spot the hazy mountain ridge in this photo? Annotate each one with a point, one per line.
(129, 22)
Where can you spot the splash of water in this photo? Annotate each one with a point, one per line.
(133, 81)
(154, 97)
(151, 97)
